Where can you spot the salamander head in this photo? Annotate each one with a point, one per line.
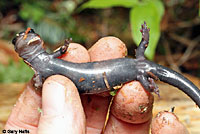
(27, 43)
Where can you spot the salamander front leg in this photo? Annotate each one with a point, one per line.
(37, 81)
(62, 49)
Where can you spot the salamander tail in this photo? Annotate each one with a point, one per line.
(174, 78)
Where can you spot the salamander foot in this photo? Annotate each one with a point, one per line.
(148, 83)
(37, 79)
(64, 48)
(144, 42)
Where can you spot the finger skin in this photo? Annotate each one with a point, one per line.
(133, 104)
(107, 48)
(25, 114)
(95, 108)
(167, 123)
(62, 108)
(76, 53)
(116, 126)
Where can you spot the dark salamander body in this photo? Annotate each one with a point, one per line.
(93, 77)
(89, 77)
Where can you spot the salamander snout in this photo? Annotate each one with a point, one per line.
(23, 33)
(27, 41)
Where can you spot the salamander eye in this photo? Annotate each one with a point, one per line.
(31, 31)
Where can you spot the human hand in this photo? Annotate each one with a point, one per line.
(62, 111)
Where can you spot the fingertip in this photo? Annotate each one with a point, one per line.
(53, 96)
(133, 103)
(167, 122)
(76, 53)
(107, 48)
(57, 91)
(61, 106)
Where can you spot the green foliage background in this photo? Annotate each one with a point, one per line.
(15, 72)
(150, 11)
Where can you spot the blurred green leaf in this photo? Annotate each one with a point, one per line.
(109, 3)
(15, 72)
(49, 30)
(158, 5)
(113, 92)
(151, 12)
(31, 11)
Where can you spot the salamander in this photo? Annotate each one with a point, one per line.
(94, 77)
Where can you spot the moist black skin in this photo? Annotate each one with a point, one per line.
(89, 78)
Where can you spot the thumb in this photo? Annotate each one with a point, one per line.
(62, 111)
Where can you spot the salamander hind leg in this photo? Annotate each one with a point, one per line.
(145, 77)
(148, 83)
(144, 42)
